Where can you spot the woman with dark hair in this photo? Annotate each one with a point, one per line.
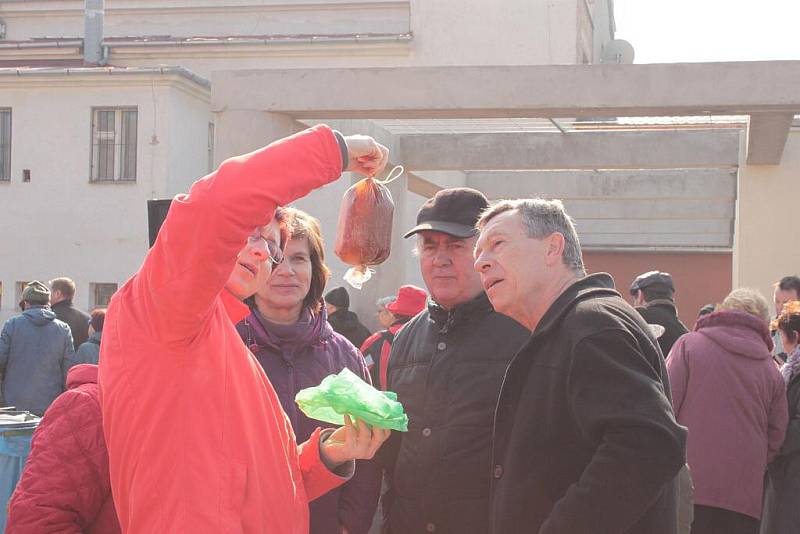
(290, 336)
(782, 491)
(89, 350)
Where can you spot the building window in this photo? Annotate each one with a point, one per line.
(210, 147)
(5, 145)
(101, 294)
(114, 144)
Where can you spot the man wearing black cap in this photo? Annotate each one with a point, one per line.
(654, 295)
(446, 366)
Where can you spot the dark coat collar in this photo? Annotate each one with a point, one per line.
(446, 319)
(594, 285)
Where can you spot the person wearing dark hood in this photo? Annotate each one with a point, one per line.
(654, 299)
(446, 366)
(294, 343)
(36, 351)
(343, 321)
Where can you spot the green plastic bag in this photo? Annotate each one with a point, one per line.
(346, 393)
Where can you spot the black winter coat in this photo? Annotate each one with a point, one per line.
(346, 323)
(446, 368)
(585, 440)
(664, 313)
(781, 514)
(77, 320)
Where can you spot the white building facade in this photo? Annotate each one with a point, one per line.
(84, 146)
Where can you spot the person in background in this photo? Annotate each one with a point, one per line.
(446, 366)
(728, 392)
(65, 486)
(654, 299)
(343, 321)
(410, 301)
(36, 351)
(62, 293)
(89, 351)
(288, 332)
(786, 289)
(703, 311)
(384, 316)
(197, 438)
(584, 440)
(781, 512)
(385, 320)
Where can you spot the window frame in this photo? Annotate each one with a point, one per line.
(5, 170)
(94, 287)
(120, 153)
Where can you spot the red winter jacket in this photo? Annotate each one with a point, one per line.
(65, 486)
(385, 337)
(197, 440)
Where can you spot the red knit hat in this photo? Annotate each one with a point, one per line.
(410, 301)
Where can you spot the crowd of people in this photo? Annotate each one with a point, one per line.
(538, 399)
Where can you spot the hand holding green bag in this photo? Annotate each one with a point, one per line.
(346, 393)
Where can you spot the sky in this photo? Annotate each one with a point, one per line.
(673, 31)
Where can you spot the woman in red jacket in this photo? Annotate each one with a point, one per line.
(197, 440)
(65, 487)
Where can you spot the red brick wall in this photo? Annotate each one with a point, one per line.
(699, 278)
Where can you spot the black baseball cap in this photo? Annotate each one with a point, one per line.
(451, 211)
(652, 278)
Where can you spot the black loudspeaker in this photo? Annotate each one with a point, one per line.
(156, 213)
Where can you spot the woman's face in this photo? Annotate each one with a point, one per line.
(290, 280)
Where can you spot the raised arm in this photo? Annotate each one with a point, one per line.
(204, 230)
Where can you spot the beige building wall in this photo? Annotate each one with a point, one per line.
(766, 246)
(444, 32)
(60, 224)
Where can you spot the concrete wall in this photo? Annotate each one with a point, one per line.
(644, 208)
(476, 32)
(60, 224)
(445, 32)
(124, 18)
(187, 123)
(766, 236)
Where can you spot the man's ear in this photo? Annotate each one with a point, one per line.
(555, 249)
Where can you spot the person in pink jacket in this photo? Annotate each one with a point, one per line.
(197, 440)
(729, 393)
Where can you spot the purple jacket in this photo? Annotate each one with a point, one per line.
(729, 393)
(298, 356)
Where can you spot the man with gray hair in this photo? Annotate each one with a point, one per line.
(585, 439)
(446, 366)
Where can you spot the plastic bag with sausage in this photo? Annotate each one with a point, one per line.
(364, 234)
